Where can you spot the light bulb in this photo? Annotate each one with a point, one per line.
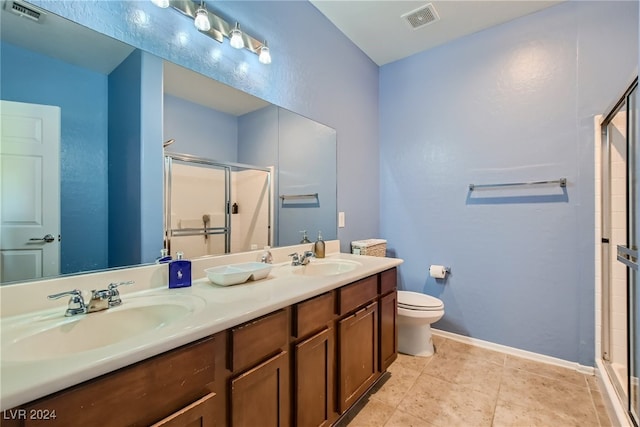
(202, 19)
(235, 37)
(161, 3)
(265, 55)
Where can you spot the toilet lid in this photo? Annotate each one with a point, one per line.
(417, 301)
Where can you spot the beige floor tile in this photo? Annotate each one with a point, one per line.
(446, 404)
(541, 393)
(402, 419)
(371, 413)
(461, 350)
(551, 371)
(397, 385)
(438, 341)
(474, 372)
(601, 409)
(592, 381)
(412, 362)
(509, 414)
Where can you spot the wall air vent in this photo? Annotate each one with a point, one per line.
(26, 11)
(422, 16)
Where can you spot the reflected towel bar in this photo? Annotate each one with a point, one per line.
(561, 181)
(299, 196)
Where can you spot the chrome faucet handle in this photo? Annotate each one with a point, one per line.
(114, 294)
(306, 257)
(295, 259)
(76, 302)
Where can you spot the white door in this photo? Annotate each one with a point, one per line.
(29, 191)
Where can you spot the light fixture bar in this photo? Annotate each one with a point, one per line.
(219, 27)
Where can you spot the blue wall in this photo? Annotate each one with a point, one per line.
(200, 131)
(124, 162)
(135, 160)
(511, 103)
(82, 95)
(343, 79)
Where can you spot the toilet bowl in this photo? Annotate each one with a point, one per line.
(416, 313)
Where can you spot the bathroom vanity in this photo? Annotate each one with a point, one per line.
(304, 360)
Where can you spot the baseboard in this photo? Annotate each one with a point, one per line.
(589, 370)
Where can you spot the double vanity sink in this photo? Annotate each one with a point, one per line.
(44, 351)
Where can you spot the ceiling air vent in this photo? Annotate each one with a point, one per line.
(422, 16)
(25, 11)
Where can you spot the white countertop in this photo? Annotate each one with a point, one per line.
(224, 307)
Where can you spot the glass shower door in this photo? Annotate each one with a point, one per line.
(628, 254)
(197, 213)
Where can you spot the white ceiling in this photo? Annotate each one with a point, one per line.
(59, 38)
(376, 26)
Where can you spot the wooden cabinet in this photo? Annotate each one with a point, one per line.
(198, 414)
(138, 395)
(313, 378)
(305, 365)
(260, 396)
(357, 354)
(388, 318)
(388, 330)
(314, 361)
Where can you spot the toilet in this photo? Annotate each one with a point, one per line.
(416, 313)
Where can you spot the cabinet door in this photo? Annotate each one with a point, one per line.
(314, 380)
(358, 354)
(260, 396)
(388, 330)
(198, 414)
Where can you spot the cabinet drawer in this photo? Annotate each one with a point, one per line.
(388, 281)
(257, 339)
(313, 314)
(137, 395)
(199, 413)
(359, 293)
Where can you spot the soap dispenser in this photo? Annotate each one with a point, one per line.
(179, 272)
(305, 239)
(318, 246)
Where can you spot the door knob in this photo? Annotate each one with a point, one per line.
(47, 239)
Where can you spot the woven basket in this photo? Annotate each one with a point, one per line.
(371, 247)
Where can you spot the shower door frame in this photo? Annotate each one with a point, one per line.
(227, 168)
(605, 246)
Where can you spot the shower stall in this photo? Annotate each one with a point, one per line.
(617, 241)
(215, 207)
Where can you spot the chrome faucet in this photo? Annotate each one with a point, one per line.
(301, 259)
(100, 299)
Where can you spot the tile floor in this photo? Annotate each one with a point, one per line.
(463, 385)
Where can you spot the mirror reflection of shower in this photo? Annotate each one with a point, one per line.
(198, 214)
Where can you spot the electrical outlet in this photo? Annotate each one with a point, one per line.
(340, 219)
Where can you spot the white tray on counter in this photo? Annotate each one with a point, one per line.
(235, 274)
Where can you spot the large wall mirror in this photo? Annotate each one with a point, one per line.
(84, 121)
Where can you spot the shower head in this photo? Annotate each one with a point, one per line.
(168, 143)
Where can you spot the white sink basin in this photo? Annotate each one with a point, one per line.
(52, 336)
(326, 267)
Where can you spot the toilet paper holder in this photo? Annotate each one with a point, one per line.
(439, 271)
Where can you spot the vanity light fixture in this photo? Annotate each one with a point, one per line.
(235, 37)
(212, 25)
(201, 20)
(161, 3)
(265, 55)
